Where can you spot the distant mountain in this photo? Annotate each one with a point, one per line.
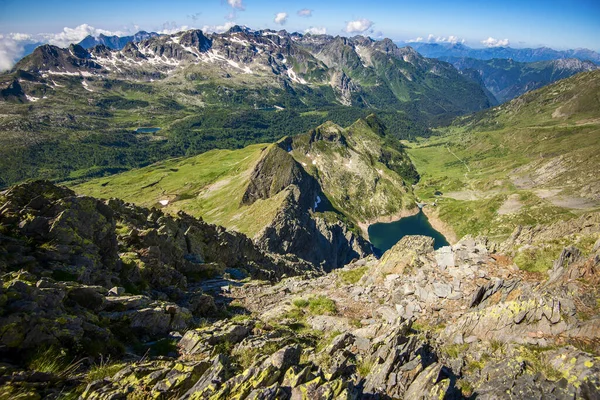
(507, 79)
(30, 47)
(115, 42)
(442, 50)
(207, 91)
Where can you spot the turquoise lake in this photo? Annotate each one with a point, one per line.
(385, 235)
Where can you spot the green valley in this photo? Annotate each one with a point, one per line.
(531, 161)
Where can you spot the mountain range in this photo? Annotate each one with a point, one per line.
(114, 41)
(507, 79)
(439, 50)
(257, 85)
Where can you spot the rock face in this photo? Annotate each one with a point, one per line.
(297, 228)
(60, 255)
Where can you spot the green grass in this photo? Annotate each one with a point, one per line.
(537, 259)
(536, 362)
(477, 162)
(352, 276)
(247, 356)
(321, 305)
(101, 371)
(314, 305)
(455, 350)
(365, 366)
(209, 185)
(300, 303)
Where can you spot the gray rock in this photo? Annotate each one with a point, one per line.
(116, 291)
(442, 290)
(286, 357)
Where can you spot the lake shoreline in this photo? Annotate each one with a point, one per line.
(364, 226)
(439, 225)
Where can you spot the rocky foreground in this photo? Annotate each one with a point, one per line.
(105, 300)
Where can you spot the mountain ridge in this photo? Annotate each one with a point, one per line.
(436, 50)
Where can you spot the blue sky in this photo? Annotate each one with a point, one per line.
(558, 24)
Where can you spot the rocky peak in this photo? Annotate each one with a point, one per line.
(196, 40)
(275, 171)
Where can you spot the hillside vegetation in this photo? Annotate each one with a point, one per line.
(214, 185)
(532, 160)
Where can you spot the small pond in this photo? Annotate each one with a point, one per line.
(147, 130)
(385, 235)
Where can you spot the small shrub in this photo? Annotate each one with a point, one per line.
(533, 358)
(364, 367)
(300, 303)
(223, 348)
(465, 387)
(321, 305)
(102, 371)
(163, 347)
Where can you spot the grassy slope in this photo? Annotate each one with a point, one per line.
(541, 150)
(348, 172)
(209, 185)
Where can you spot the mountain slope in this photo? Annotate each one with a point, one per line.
(350, 162)
(507, 79)
(531, 160)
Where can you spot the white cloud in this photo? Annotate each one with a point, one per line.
(76, 35)
(281, 18)
(305, 12)
(358, 26)
(437, 39)
(10, 51)
(172, 27)
(316, 30)
(491, 42)
(218, 28)
(21, 37)
(236, 4)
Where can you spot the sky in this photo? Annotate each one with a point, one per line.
(558, 24)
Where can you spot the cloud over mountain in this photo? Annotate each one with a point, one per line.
(491, 42)
(431, 38)
(281, 18)
(316, 30)
(358, 26)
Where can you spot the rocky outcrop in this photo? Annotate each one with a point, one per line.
(321, 240)
(275, 171)
(80, 273)
(297, 227)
